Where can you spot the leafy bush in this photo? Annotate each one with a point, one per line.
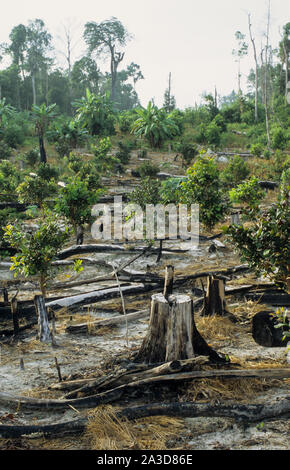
(257, 149)
(188, 151)
(32, 157)
(213, 133)
(5, 150)
(75, 202)
(13, 135)
(265, 245)
(148, 169)
(203, 186)
(249, 193)
(148, 192)
(236, 171)
(36, 190)
(37, 250)
(278, 138)
(124, 152)
(170, 190)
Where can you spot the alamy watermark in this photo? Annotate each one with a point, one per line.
(130, 221)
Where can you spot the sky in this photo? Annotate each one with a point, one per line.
(192, 39)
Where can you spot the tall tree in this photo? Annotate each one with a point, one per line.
(169, 100)
(256, 67)
(38, 45)
(284, 52)
(105, 38)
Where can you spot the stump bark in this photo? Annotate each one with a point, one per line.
(172, 333)
(215, 302)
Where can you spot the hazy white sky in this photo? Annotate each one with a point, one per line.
(192, 39)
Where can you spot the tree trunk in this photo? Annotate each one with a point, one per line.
(44, 331)
(172, 334)
(256, 70)
(43, 158)
(215, 303)
(33, 89)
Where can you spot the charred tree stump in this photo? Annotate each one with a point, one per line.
(79, 235)
(214, 301)
(172, 334)
(14, 311)
(44, 333)
(264, 330)
(5, 294)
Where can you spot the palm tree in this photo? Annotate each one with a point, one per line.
(155, 125)
(42, 115)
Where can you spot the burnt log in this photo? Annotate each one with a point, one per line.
(265, 331)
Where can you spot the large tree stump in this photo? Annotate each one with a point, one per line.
(172, 334)
(215, 301)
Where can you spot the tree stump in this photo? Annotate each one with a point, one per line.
(172, 333)
(44, 333)
(264, 332)
(215, 301)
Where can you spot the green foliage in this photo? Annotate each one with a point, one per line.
(188, 150)
(213, 133)
(282, 317)
(236, 171)
(265, 244)
(9, 180)
(36, 190)
(67, 136)
(37, 250)
(32, 157)
(278, 138)
(95, 113)
(249, 193)
(257, 149)
(155, 125)
(5, 150)
(86, 171)
(76, 200)
(203, 187)
(47, 172)
(148, 169)
(124, 152)
(104, 161)
(171, 190)
(148, 192)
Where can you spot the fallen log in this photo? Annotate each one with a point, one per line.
(112, 395)
(100, 248)
(76, 301)
(142, 371)
(273, 298)
(251, 413)
(85, 327)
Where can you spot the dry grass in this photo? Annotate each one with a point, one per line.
(216, 328)
(241, 390)
(106, 431)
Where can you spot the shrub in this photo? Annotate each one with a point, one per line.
(148, 169)
(265, 244)
(188, 151)
(170, 190)
(278, 138)
(32, 157)
(203, 187)
(5, 150)
(147, 193)
(236, 171)
(213, 134)
(257, 149)
(249, 193)
(37, 250)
